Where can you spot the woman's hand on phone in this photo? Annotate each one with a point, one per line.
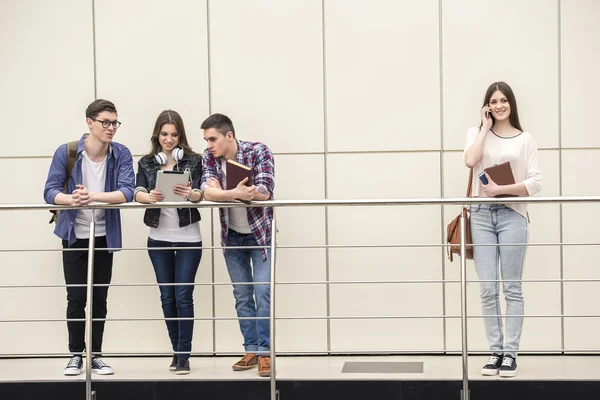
(486, 118)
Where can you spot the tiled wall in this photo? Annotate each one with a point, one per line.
(357, 99)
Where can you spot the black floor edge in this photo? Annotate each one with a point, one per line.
(303, 390)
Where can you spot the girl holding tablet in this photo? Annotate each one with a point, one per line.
(173, 228)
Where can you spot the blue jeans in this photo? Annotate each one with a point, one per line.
(177, 266)
(498, 224)
(250, 300)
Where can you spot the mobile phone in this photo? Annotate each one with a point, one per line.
(488, 113)
(483, 178)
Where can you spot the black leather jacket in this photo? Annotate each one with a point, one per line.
(145, 181)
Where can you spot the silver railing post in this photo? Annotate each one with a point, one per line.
(274, 393)
(463, 304)
(89, 395)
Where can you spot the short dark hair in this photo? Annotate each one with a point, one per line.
(220, 122)
(98, 106)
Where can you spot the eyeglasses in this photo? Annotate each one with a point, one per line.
(106, 123)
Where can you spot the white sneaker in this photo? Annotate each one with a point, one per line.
(509, 367)
(74, 366)
(100, 367)
(493, 365)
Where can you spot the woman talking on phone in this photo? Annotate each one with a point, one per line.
(173, 228)
(500, 139)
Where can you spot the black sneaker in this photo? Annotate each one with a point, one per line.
(74, 366)
(493, 365)
(100, 367)
(173, 365)
(509, 367)
(183, 366)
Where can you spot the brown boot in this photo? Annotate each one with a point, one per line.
(247, 362)
(264, 366)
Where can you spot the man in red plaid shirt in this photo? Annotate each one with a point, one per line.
(242, 226)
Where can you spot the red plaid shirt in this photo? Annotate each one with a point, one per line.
(258, 157)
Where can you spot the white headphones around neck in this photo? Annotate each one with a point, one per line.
(162, 158)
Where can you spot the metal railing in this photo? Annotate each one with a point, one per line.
(273, 247)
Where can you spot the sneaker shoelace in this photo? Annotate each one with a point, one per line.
(265, 362)
(74, 362)
(493, 360)
(507, 362)
(247, 359)
(99, 363)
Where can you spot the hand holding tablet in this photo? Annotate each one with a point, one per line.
(167, 180)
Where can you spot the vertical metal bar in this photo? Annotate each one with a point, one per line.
(212, 210)
(442, 207)
(560, 181)
(94, 49)
(212, 287)
(208, 58)
(325, 180)
(463, 304)
(89, 395)
(272, 313)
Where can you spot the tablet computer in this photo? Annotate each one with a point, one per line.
(166, 181)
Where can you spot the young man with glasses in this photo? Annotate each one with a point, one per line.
(102, 172)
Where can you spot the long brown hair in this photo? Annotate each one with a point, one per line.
(510, 96)
(169, 117)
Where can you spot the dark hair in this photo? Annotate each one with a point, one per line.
(220, 122)
(169, 117)
(98, 106)
(510, 96)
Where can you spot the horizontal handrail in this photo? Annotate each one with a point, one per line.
(314, 203)
(309, 246)
(309, 317)
(379, 282)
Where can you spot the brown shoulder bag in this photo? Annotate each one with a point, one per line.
(453, 230)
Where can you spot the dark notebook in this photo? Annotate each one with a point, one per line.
(502, 174)
(236, 172)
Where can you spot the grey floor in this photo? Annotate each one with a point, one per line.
(312, 368)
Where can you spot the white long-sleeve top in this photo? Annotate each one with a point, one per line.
(520, 151)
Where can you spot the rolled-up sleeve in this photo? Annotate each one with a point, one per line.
(56, 174)
(264, 171)
(141, 184)
(209, 169)
(126, 176)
